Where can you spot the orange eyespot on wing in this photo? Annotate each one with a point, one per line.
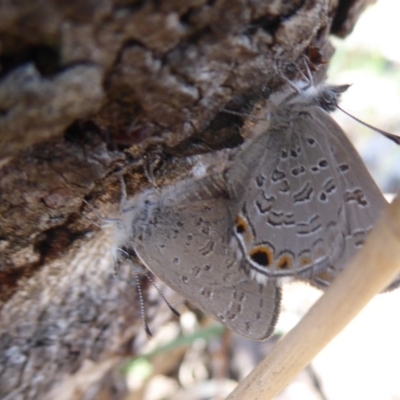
(305, 260)
(285, 262)
(243, 230)
(241, 224)
(262, 256)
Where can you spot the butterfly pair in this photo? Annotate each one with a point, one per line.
(297, 201)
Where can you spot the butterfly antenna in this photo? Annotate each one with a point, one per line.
(139, 290)
(390, 136)
(173, 309)
(141, 303)
(140, 293)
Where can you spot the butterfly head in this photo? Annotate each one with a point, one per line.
(328, 96)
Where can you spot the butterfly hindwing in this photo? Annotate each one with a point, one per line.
(185, 243)
(303, 206)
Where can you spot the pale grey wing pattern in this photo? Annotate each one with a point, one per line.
(186, 247)
(362, 199)
(290, 223)
(259, 154)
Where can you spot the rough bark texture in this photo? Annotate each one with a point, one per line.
(92, 88)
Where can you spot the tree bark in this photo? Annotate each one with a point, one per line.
(90, 90)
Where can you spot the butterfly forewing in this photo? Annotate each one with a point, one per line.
(362, 200)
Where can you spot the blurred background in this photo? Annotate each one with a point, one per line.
(196, 359)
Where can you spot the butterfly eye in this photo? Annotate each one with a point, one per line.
(328, 100)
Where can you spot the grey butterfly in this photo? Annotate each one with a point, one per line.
(181, 234)
(303, 199)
